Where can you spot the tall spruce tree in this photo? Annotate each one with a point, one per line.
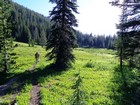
(61, 40)
(121, 36)
(5, 35)
(129, 34)
(43, 39)
(132, 34)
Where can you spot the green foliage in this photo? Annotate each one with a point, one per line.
(62, 40)
(128, 85)
(95, 41)
(25, 57)
(128, 41)
(24, 97)
(7, 102)
(29, 26)
(43, 39)
(6, 40)
(101, 85)
(79, 96)
(32, 28)
(89, 64)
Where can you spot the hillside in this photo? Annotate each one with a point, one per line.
(29, 26)
(34, 28)
(94, 79)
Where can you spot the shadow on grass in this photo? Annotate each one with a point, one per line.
(127, 90)
(30, 77)
(2, 78)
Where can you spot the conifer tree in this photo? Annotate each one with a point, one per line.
(61, 40)
(43, 39)
(132, 34)
(5, 35)
(128, 43)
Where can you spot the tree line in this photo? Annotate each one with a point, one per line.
(29, 26)
(34, 28)
(96, 41)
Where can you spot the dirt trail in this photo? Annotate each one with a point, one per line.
(3, 88)
(34, 100)
(8, 85)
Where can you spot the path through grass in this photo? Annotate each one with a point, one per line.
(91, 81)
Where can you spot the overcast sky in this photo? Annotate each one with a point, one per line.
(96, 16)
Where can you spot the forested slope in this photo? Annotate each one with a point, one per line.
(34, 28)
(29, 26)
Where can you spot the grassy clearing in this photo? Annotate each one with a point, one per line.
(94, 78)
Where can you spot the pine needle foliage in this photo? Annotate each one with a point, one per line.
(5, 35)
(62, 38)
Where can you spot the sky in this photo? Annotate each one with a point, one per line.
(95, 16)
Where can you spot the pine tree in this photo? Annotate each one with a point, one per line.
(121, 35)
(128, 41)
(5, 35)
(61, 40)
(43, 38)
(129, 34)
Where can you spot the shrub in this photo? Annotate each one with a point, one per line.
(89, 64)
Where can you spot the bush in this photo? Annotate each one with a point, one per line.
(89, 64)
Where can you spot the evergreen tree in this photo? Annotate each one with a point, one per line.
(132, 35)
(27, 31)
(43, 39)
(121, 38)
(61, 40)
(5, 35)
(128, 42)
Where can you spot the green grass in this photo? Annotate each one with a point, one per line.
(101, 81)
(25, 57)
(23, 97)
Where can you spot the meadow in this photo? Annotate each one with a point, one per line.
(93, 79)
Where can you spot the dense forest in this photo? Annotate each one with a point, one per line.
(34, 28)
(29, 26)
(96, 41)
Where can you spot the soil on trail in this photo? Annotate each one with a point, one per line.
(34, 100)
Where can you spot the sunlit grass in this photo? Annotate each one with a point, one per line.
(23, 97)
(97, 67)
